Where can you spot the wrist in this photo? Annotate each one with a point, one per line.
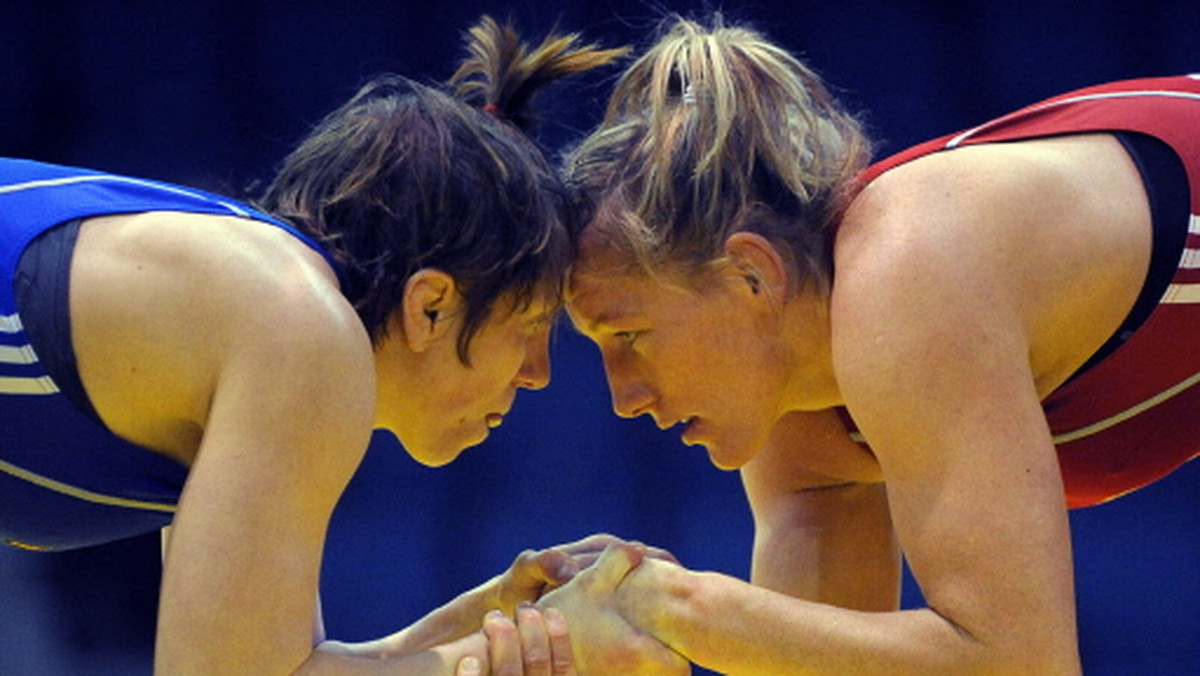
(659, 598)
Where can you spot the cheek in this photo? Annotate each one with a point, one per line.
(495, 365)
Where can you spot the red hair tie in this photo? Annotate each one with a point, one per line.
(494, 110)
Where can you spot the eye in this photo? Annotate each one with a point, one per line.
(540, 323)
(627, 337)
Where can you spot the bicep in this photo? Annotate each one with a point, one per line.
(932, 361)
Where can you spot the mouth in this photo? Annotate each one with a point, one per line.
(682, 424)
(494, 420)
(689, 430)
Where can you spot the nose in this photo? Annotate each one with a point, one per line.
(631, 395)
(535, 370)
(631, 401)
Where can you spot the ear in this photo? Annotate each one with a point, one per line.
(430, 298)
(758, 264)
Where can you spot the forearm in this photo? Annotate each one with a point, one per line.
(340, 658)
(833, 545)
(450, 622)
(732, 627)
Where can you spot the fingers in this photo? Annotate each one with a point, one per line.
(562, 659)
(504, 644)
(592, 544)
(534, 572)
(535, 569)
(535, 641)
(656, 553)
(615, 564)
(587, 551)
(533, 645)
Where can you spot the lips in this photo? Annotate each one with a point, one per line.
(494, 420)
(690, 429)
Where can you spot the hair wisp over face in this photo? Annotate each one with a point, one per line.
(715, 131)
(407, 176)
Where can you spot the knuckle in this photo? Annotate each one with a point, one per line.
(536, 659)
(562, 664)
(526, 558)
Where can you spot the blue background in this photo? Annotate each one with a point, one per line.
(213, 94)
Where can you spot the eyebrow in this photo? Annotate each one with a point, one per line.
(607, 318)
(590, 326)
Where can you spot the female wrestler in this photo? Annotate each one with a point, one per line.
(937, 356)
(220, 368)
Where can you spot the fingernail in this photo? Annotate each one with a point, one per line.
(494, 615)
(470, 665)
(552, 615)
(524, 605)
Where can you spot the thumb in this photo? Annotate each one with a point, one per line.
(615, 563)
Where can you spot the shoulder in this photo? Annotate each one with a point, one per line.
(203, 264)
(1002, 208)
(172, 310)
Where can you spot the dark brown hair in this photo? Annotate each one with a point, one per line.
(407, 176)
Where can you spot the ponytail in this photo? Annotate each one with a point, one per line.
(503, 75)
(406, 176)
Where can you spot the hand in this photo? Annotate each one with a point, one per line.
(536, 644)
(535, 572)
(604, 642)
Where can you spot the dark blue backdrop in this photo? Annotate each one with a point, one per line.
(212, 94)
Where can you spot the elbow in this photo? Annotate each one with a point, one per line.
(1029, 651)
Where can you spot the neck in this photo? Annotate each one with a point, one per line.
(812, 384)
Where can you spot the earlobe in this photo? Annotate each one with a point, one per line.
(429, 297)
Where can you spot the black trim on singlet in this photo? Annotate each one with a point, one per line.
(42, 284)
(1166, 185)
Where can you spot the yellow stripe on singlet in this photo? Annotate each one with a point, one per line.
(79, 493)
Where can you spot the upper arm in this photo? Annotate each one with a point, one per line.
(289, 421)
(932, 359)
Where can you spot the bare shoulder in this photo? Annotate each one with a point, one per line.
(1054, 232)
(167, 306)
(1055, 180)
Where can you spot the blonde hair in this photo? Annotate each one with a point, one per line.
(714, 131)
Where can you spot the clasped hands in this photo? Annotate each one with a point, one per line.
(559, 609)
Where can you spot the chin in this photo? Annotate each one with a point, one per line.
(436, 455)
(443, 449)
(730, 456)
(724, 461)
